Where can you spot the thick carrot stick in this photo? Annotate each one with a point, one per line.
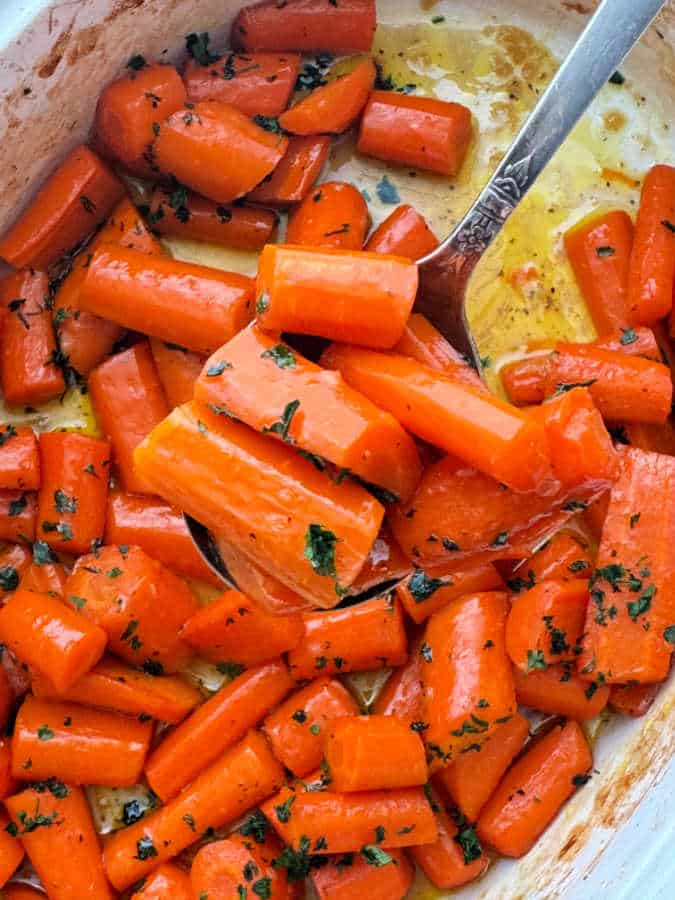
(563, 557)
(333, 215)
(45, 578)
(11, 852)
(49, 637)
(19, 459)
(219, 869)
(139, 603)
(292, 179)
(455, 857)
(178, 370)
(476, 426)
(425, 592)
(328, 528)
(114, 686)
(352, 876)
(430, 134)
(366, 636)
(166, 881)
(73, 201)
(215, 727)
(238, 780)
(403, 233)
(29, 370)
(427, 345)
(256, 377)
(403, 694)
(632, 699)
(599, 248)
(128, 399)
(363, 298)
(558, 690)
(333, 107)
(296, 729)
(18, 516)
(512, 820)
(652, 260)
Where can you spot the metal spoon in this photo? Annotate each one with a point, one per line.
(610, 34)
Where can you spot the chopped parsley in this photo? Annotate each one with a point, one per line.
(281, 426)
(61, 528)
(283, 811)
(197, 45)
(281, 355)
(262, 303)
(376, 856)
(256, 827)
(467, 839)
(421, 586)
(426, 652)
(218, 368)
(269, 123)
(145, 849)
(320, 549)
(136, 62)
(535, 660)
(605, 251)
(16, 507)
(386, 191)
(518, 584)
(628, 336)
(9, 578)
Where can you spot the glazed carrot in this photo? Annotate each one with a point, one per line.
(598, 249)
(595, 514)
(333, 215)
(51, 638)
(292, 179)
(215, 727)
(427, 345)
(19, 459)
(45, 578)
(358, 638)
(563, 557)
(403, 693)
(22, 892)
(159, 530)
(296, 729)
(130, 108)
(219, 869)
(478, 427)
(234, 783)
(18, 516)
(128, 399)
(306, 25)
(7, 783)
(351, 877)
(138, 602)
(70, 204)
(333, 107)
(363, 298)
(194, 306)
(403, 233)
(425, 592)
(254, 83)
(471, 779)
(430, 134)
(455, 857)
(6, 697)
(256, 377)
(77, 745)
(216, 150)
(512, 820)
(64, 852)
(632, 699)
(114, 686)
(652, 260)
(178, 369)
(385, 562)
(11, 852)
(14, 562)
(166, 881)
(558, 690)
(29, 373)
(328, 528)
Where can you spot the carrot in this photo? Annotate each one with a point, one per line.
(385, 562)
(372, 753)
(292, 179)
(11, 851)
(558, 690)
(190, 305)
(455, 857)
(425, 592)
(256, 377)
(19, 459)
(216, 150)
(14, 562)
(328, 528)
(18, 516)
(404, 232)
(464, 704)
(138, 602)
(333, 107)
(306, 25)
(363, 298)
(599, 248)
(652, 259)
(215, 727)
(45, 578)
(29, 370)
(632, 699)
(54, 824)
(424, 343)
(513, 819)
(472, 778)
(254, 83)
(220, 869)
(478, 427)
(7, 783)
(51, 638)
(178, 370)
(595, 514)
(128, 399)
(430, 134)
(238, 780)
(111, 685)
(563, 557)
(159, 530)
(75, 199)
(22, 892)
(358, 638)
(166, 881)
(6, 697)
(403, 693)
(352, 877)
(334, 215)
(296, 729)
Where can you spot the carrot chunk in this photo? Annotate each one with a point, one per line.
(259, 584)
(563, 557)
(334, 215)
(425, 592)
(45, 577)
(18, 516)
(403, 233)
(403, 694)
(19, 459)
(166, 881)
(177, 369)
(11, 852)
(633, 699)
(220, 868)
(455, 857)
(427, 345)
(292, 179)
(333, 107)
(559, 691)
(352, 877)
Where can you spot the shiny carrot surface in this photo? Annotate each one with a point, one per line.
(333, 215)
(296, 172)
(255, 83)
(19, 459)
(404, 232)
(332, 107)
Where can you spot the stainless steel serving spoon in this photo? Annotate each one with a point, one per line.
(610, 34)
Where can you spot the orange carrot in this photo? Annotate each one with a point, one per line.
(6, 697)
(455, 857)
(364, 298)
(333, 215)
(425, 592)
(563, 557)
(424, 343)
(403, 694)
(45, 577)
(19, 459)
(70, 204)
(221, 869)
(558, 690)
(216, 150)
(166, 881)
(632, 699)
(513, 819)
(403, 233)
(333, 107)
(235, 782)
(18, 516)
(216, 726)
(292, 179)
(128, 399)
(352, 877)
(430, 134)
(7, 783)
(595, 514)
(385, 562)
(257, 379)
(22, 892)
(51, 638)
(178, 370)
(14, 562)
(358, 638)
(11, 851)
(328, 528)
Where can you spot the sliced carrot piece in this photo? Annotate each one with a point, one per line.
(455, 857)
(564, 557)
(166, 881)
(333, 215)
(220, 868)
(333, 107)
(404, 232)
(559, 691)
(403, 694)
(385, 562)
(633, 699)
(178, 369)
(45, 578)
(19, 459)
(351, 877)
(7, 783)
(425, 592)
(427, 345)
(292, 179)
(18, 516)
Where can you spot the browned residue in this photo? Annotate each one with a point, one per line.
(47, 66)
(614, 120)
(577, 7)
(428, 4)
(619, 177)
(83, 43)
